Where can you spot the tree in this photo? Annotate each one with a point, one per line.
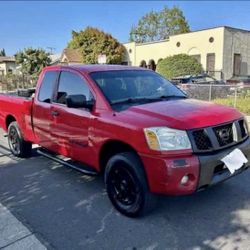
(2, 52)
(32, 61)
(155, 26)
(93, 42)
(179, 65)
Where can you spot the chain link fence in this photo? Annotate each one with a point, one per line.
(237, 96)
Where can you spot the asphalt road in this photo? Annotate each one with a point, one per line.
(67, 210)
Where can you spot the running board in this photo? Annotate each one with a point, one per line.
(65, 163)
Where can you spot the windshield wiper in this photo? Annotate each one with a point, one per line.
(162, 97)
(130, 100)
(144, 99)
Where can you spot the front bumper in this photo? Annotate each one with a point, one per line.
(164, 174)
(212, 170)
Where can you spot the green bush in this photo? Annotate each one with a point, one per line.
(242, 104)
(179, 65)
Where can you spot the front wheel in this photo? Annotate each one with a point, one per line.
(18, 146)
(127, 186)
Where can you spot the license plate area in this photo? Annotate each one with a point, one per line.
(234, 160)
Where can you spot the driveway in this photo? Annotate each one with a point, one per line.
(67, 210)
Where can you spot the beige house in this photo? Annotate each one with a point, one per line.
(7, 65)
(71, 56)
(223, 51)
(68, 56)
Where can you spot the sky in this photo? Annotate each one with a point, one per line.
(43, 24)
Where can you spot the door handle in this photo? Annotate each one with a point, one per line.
(55, 113)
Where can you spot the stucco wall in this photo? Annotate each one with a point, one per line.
(192, 43)
(129, 56)
(236, 42)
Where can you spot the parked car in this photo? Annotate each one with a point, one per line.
(132, 125)
(196, 79)
(202, 87)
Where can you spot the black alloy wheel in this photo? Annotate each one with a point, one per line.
(18, 146)
(127, 186)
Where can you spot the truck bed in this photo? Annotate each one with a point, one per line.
(27, 93)
(14, 106)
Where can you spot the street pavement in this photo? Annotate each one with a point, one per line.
(14, 235)
(63, 209)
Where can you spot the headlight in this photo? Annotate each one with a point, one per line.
(164, 138)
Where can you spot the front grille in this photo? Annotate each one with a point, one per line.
(202, 140)
(243, 129)
(224, 134)
(218, 137)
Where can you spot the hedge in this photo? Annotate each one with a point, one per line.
(179, 65)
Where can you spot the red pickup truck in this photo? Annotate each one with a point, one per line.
(131, 124)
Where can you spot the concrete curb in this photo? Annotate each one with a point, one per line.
(14, 235)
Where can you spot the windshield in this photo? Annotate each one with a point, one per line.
(132, 87)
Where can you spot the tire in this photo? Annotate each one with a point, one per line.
(126, 185)
(18, 146)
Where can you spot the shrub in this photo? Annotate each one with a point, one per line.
(179, 65)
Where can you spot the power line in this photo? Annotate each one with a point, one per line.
(51, 49)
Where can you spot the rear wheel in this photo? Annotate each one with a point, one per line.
(18, 146)
(127, 186)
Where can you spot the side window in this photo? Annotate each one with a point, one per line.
(47, 86)
(71, 84)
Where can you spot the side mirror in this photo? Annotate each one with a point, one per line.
(79, 101)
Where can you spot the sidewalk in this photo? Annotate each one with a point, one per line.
(14, 235)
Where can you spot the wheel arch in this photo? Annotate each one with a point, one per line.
(111, 148)
(9, 119)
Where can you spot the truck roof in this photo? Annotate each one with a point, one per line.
(88, 68)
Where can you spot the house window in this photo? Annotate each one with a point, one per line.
(237, 64)
(143, 64)
(211, 63)
(152, 65)
(211, 39)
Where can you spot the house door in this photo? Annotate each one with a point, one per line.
(211, 63)
(237, 63)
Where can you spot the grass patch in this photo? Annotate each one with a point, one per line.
(242, 103)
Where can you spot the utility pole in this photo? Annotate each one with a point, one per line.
(51, 49)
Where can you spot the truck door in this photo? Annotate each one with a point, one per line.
(42, 109)
(70, 126)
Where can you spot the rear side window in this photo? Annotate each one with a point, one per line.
(47, 86)
(71, 84)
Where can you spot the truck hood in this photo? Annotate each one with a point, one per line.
(182, 114)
